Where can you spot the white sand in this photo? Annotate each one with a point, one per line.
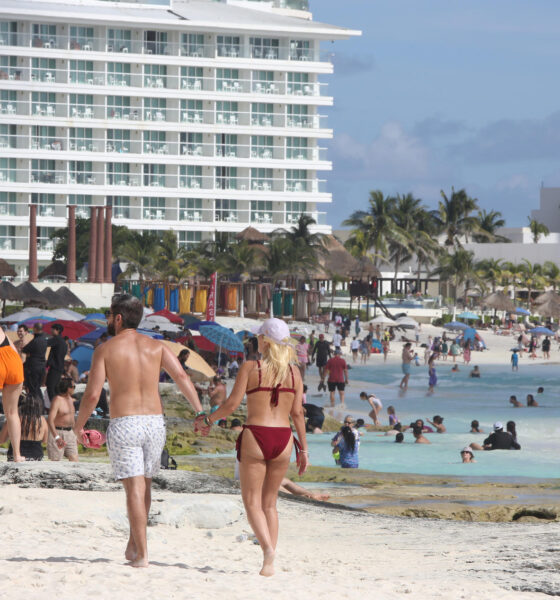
(69, 544)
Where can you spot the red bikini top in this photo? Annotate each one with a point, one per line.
(275, 391)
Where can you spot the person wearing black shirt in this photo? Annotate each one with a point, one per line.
(500, 440)
(35, 363)
(55, 363)
(323, 351)
(315, 418)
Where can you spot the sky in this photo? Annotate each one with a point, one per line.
(438, 94)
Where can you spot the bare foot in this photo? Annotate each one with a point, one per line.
(141, 561)
(130, 552)
(320, 497)
(19, 459)
(268, 564)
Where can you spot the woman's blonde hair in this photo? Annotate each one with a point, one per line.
(276, 360)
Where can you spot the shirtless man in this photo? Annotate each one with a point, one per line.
(218, 394)
(62, 440)
(407, 356)
(136, 434)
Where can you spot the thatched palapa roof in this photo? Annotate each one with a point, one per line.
(252, 235)
(56, 269)
(30, 295)
(68, 298)
(546, 296)
(338, 261)
(6, 270)
(498, 301)
(52, 296)
(8, 291)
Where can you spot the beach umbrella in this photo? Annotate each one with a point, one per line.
(161, 322)
(196, 326)
(407, 323)
(72, 329)
(94, 316)
(97, 322)
(203, 344)
(30, 321)
(469, 334)
(195, 362)
(170, 316)
(222, 337)
(29, 311)
(66, 314)
(188, 320)
(521, 311)
(241, 333)
(83, 355)
(541, 331)
(91, 336)
(457, 325)
(6, 270)
(383, 320)
(466, 314)
(152, 334)
(498, 301)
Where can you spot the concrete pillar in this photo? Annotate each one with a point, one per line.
(108, 244)
(92, 256)
(71, 258)
(100, 246)
(33, 270)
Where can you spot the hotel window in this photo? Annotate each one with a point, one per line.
(44, 241)
(297, 115)
(298, 84)
(119, 40)
(8, 33)
(226, 145)
(154, 175)
(263, 82)
(8, 169)
(81, 38)
(226, 178)
(192, 44)
(264, 47)
(155, 76)
(45, 204)
(43, 35)
(9, 68)
(121, 206)
(229, 45)
(8, 137)
(9, 98)
(190, 209)
(80, 138)
(261, 211)
(118, 173)
(155, 42)
(296, 180)
(261, 146)
(118, 106)
(43, 69)
(192, 111)
(44, 138)
(227, 112)
(191, 78)
(81, 171)
(118, 74)
(82, 202)
(227, 80)
(191, 143)
(7, 237)
(261, 179)
(42, 171)
(155, 109)
(8, 206)
(154, 142)
(190, 176)
(153, 208)
(118, 140)
(226, 210)
(43, 103)
(297, 148)
(262, 114)
(81, 71)
(81, 105)
(189, 239)
(301, 50)
(294, 210)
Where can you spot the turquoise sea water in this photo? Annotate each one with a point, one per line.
(459, 399)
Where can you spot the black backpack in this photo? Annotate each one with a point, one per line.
(167, 462)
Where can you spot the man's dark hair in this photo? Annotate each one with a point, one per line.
(130, 309)
(235, 423)
(399, 438)
(64, 385)
(23, 326)
(184, 354)
(57, 327)
(38, 328)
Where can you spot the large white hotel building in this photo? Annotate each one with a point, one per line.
(198, 116)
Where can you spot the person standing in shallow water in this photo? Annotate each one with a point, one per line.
(432, 377)
(136, 434)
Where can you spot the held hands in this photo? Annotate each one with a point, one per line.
(302, 462)
(201, 426)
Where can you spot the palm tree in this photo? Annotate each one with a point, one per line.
(490, 270)
(537, 230)
(552, 274)
(511, 275)
(377, 225)
(140, 252)
(454, 218)
(532, 277)
(488, 224)
(460, 268)
(426, 247)
(170, 259)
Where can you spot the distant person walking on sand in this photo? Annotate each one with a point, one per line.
(322, 350)
(376, 406)
(302, 351)
(274, 394)
(432, 377)
(514, 360)
(407, 356)
(136, 434)
(545, 347)
(354, 347)
(338, 376)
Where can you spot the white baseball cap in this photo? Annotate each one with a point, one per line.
(274, 329)
(498, 425)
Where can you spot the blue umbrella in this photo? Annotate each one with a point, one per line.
(196, 326)
(91, 336)
(522, 311)
(153, 334)
(469, 334)
(455, 325)
(94, 316)
(541, 331)
(467, 315)
(222, 337)
(83, 355)
(241, 333)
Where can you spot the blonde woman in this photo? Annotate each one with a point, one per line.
(274, 394)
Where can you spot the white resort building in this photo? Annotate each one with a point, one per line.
(197, 116)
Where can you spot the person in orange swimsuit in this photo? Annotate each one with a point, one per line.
(274, 394)
(11, 383)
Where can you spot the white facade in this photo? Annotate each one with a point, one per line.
(198, 117)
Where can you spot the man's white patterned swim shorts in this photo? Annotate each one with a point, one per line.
(135, 444)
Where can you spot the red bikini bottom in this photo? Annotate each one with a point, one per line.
(271, 440)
